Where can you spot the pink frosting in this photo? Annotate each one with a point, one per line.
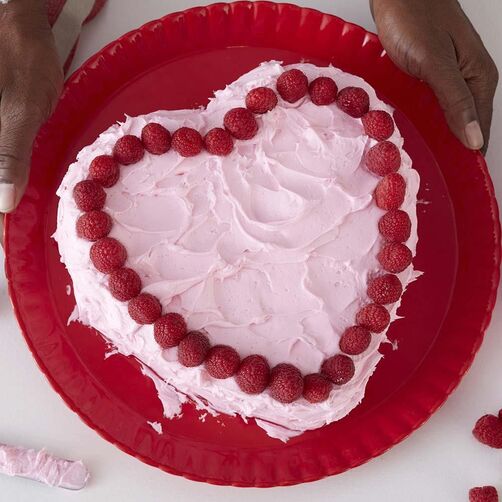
(41, 466)
(268, 250)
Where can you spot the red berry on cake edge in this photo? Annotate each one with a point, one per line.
(192, 350)
(240, 123)
(483, 494)
(94, 225)
(292, 85)
(316, 388)
(104, 170)
(124, 284)
(144, 308)
(89, 195)
(339, 369)
(354, 101)
(373, 317)
(395, 257)
(286, 383)
(218, 141)
(383, 158)
(378, 124)
(187, 142)
(323, 91)
(128, 150)
(355, 340)
(156, 138)
(488, 430)
(395, 226)
(385, 289)
(253, 374)
(169, 330)
(390, 192)
(222, 361)
(261, 100)
(108, 254)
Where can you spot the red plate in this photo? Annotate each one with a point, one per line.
(178, 62)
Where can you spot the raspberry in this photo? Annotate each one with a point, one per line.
(253, 374)
(124, 284)
(105, 170)
(339, 369)
(383, 158)
(94, 225)
(316, 388)
(389, 193)
(240, 123)
(292, 85)
(395, 257)
(483, 494)
(89, 195)
(385, 289)
(222, 361)
(187, 142)
(355, 340)
(323, 91)
(261, 100)
(193, 349)
(156, 138)
(286, 383)
(108, 254)
(488, 430)
(354, 101)
(128, 150)
(218, 141)
(395, 226)
(144, 308)
(378, 124)
(500, 415)
(373, 317)
(169, 330)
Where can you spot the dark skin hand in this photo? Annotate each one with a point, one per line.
(31, 79)
(435, 41)
(430, 39)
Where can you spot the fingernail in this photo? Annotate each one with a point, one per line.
(7, 197)
(474, 135)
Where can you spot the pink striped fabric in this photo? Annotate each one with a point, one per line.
(54, 9)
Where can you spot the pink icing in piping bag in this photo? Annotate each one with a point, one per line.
(43, 467)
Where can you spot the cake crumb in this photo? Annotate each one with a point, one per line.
(424, 202)
(156, 426)
(111, 351)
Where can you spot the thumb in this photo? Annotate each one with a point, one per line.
(457, 102)
(19, 124)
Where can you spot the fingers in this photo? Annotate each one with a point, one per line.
(20, 119)
(478, 70)
(456, 100)
(482, 83)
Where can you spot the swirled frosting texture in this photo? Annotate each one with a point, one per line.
(268, 250)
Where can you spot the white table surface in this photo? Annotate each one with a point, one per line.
(439, 462)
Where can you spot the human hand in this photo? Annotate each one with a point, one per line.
(31, 78)
(434, 41)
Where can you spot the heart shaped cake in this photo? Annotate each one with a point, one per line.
(252, 254)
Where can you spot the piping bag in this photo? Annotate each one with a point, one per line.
(43, 467)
